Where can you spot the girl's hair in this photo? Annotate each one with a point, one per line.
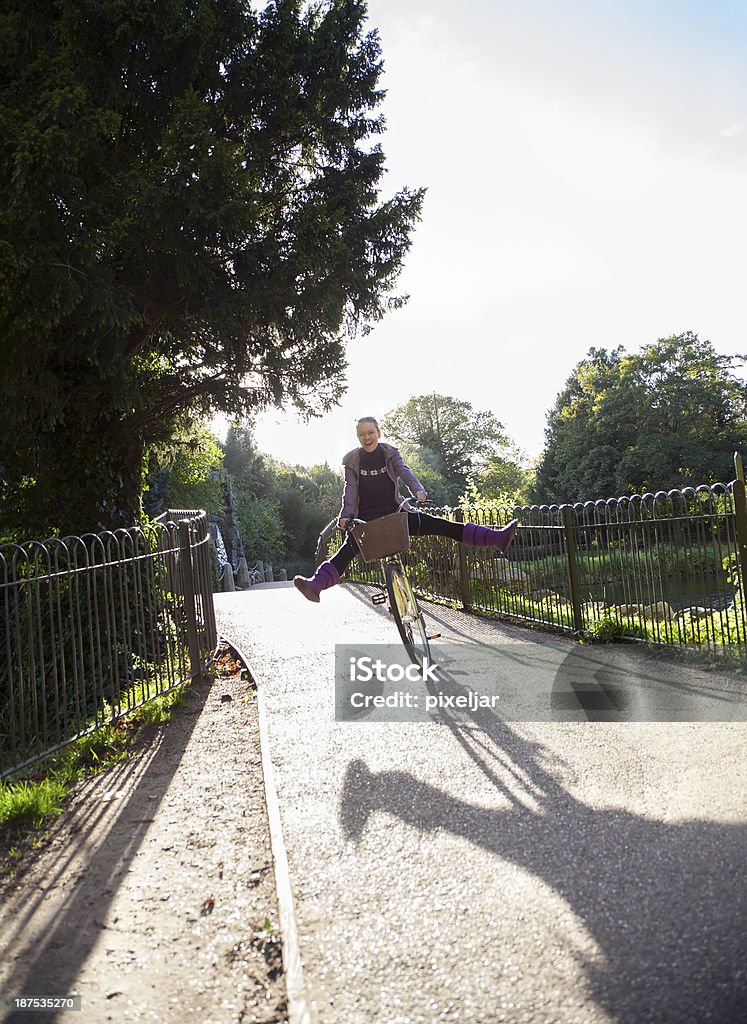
(368, 419)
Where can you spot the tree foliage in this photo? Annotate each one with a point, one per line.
(449, 435)
(329, 484)
(261, 527)
(185, 472)
(502, 480)
(668, 416)
(190, 220)
(423, 462)
(281, 509)
(241, 457)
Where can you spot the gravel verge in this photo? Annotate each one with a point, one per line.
(153, 895)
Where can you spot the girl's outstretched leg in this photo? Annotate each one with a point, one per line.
(424, 525)
(477, 536)
(326, 576)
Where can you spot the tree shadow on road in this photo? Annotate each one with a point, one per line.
(665, 902)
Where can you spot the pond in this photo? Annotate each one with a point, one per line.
(709, 590)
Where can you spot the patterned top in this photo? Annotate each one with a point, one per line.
(375, 487)
(396, 470)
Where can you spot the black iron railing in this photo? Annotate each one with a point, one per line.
(667, 568)
(93, 626)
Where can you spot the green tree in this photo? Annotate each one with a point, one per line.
(298, 495)
(261, 527)
(329, 483)
(281, 509)
(241, 458)
(668, 416)
(190, 220)
(590, 426)
(451, 436)
(502, 478)
(185, 472)
(693, 415)
(423, 463)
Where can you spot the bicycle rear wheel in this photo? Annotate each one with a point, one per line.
(404, 607)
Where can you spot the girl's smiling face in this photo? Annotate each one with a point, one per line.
(368, 435)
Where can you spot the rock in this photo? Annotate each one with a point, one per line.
(228, 580)
(503, 572)
(695, 612)
(597, 609)
(242, 577)
(660, 611)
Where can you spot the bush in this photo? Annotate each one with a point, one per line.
(261, 526)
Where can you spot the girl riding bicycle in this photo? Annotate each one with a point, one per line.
(371, 491)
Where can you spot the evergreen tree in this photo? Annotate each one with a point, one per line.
(190, 220)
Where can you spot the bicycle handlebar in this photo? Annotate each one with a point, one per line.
(350, 523)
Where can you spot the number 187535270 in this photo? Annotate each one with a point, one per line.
(40, 1002)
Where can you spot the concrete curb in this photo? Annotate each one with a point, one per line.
(299, 1010)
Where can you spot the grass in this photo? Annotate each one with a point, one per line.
(29, 803)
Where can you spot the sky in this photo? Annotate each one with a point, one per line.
(586, 168)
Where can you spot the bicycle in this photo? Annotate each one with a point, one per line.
(374, 539)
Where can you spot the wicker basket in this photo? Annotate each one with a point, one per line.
(382, 537)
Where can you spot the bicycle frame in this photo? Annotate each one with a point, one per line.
(403, 606)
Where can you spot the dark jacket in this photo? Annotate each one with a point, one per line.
(395, 468)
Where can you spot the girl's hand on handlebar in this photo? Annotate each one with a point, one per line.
(421, 495)
(342, 523)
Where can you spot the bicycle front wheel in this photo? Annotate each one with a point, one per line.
(404, 607)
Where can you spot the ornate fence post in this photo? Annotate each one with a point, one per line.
(740, 521)
(464, 587)
(573, 577)
(188, 591)
(206, 583)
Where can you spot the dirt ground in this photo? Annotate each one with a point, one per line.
(153, 895)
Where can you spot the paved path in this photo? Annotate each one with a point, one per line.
(477, 870)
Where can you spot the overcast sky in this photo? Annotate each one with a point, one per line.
(586, 168)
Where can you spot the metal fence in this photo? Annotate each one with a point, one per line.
(94, 626)
(667, 568)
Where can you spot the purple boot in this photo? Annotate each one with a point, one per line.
(476, 536)
(311, 587)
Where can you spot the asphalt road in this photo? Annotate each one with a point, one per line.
(485, 867)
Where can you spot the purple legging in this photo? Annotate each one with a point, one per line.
(420, 524)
